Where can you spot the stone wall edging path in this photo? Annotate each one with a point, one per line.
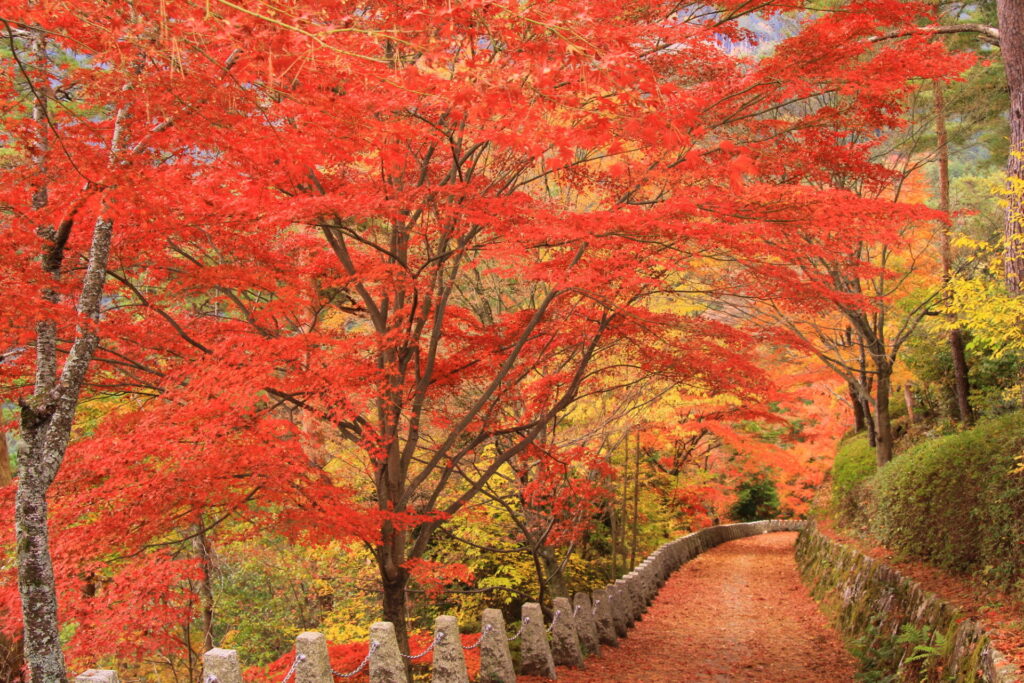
(871, 601)
(580, 627)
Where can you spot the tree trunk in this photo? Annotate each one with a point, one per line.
(35, 579)
(908, 399)
(864, 399)
(393, 586)
(859, 424)
(624, 516)
(555, 579)
(961, 386)
(201, 547)
(1011, 44)
(869, 418)
(613, 532)
(394, 580)
(960, 380)
(46, 420)
(884, 447)
(636, 500)
(865, 396)
(47, 416)
(43, 421)
(6, 476)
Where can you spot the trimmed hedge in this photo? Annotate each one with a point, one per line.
(851, 470)
(955, 501)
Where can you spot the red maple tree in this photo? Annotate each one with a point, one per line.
(426, 228)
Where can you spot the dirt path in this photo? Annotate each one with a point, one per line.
(736, 613)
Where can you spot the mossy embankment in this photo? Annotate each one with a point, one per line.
(897, 630)
(955, 501)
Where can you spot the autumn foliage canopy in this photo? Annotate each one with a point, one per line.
(413, 236)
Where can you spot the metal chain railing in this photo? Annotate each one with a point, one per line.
(291, 670)
(487, 629)
(526, 620)
(437, 638)
(554, 619)
(362, 665)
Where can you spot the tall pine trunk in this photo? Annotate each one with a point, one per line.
(961, 385)
(1011, 44)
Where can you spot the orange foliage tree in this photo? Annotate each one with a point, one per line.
(425, 226)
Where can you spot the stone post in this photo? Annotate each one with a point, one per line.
(449, 664)
(312, 665)
(386, 663)
(617, 604)
(630, 598)
(661, 564)
(679, 556)
(603, 618)
(565, 642)
(646, 583)
(221, 666)
(97, 676)
(656, 574)
(586, 623)
(534, 649)
(495, 657)
(653, 576)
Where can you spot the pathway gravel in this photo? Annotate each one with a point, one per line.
(738, 612)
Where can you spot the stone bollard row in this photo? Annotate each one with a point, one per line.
(577, 630)
(586, 623)
(495, 657)
(565, 640)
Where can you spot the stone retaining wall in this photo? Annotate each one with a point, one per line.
(580, 627)
(876, 606)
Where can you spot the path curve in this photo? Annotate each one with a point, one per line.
(738, 612)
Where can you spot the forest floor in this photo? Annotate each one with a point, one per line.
(1000, 615)
(738, 612)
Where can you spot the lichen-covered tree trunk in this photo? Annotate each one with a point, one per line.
(46, 420)
(48, 414)
(46, 425)
(35, 580)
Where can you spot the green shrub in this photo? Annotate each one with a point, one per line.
(853, 467)
(756, 498)
(956, 502)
